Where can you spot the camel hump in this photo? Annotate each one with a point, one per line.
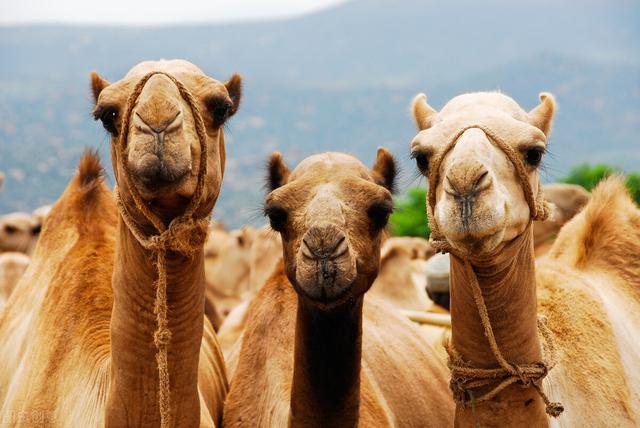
(90, 170)
(605, 233)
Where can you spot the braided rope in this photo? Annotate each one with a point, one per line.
(185, 234)
(464, 377)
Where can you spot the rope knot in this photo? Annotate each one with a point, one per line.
(524, 379)
(554, 409)
(187, 235)
(543, 211)
(156, 243)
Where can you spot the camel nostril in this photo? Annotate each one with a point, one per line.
(306, 249)
(467, 178)
(159, 126)
(324, 243)
(483, 175)
(482, 182)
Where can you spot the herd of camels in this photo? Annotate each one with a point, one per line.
(113, 323)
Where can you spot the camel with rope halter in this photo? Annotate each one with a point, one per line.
(107, 325)
(529, 340)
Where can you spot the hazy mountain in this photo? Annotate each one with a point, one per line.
(340, 79)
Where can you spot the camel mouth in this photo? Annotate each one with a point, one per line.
(478, 245)
(325, 273)
(323, 294)
(154, 176)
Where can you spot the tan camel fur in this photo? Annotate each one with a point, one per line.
(567, 200)
(315, 352)
(588, 286)
(78, 331)
(12, 266)
(402, 280)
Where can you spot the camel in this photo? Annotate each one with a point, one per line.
(314, 351)
(227, 269)
(83, 336)
(237, 263)
(12, 266)
(401, 279)
(19, 232)
(567, 200)
(482, 154)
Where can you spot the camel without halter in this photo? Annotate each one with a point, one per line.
(315, 352)
(77, 335)
(482, 201)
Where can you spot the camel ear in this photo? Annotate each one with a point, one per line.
(385, 170)
(97, 85)
(542, 115)
(277, 170)
(234, 88)
(423, 113)
(245, 238)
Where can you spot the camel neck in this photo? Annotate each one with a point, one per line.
(508, 285)
(326, 374)
(133, 394)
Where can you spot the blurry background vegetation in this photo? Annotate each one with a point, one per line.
(410, 219)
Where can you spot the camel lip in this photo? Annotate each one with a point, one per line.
(473, 245)
(323, 299)
(154, 188)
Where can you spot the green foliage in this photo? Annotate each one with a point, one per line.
(409, 217)
(588, 176)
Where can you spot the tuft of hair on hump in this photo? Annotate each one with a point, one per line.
(90, 170)
(606, 231)
(277, 171)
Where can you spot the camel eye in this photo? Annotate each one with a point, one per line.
(422, 161)
(219, 109)
(533, 156)
(10, 229)
(108, 116)
(277, 217)
(379, 214)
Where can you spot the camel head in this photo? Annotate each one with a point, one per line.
(163, 148)
(478, 195)
(19, 232)
(331, 212)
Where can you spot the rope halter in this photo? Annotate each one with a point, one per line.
(465, 378)
(185, 233)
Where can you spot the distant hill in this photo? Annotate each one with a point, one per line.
(340, 79)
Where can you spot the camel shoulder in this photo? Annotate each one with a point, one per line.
(399, 365)
(261, 387)
(590, 366)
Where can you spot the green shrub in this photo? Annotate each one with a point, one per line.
(410, 217)
(588, 176)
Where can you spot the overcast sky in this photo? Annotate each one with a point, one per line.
(150, 12)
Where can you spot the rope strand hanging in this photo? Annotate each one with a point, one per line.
(464, 377)
(185, 234)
